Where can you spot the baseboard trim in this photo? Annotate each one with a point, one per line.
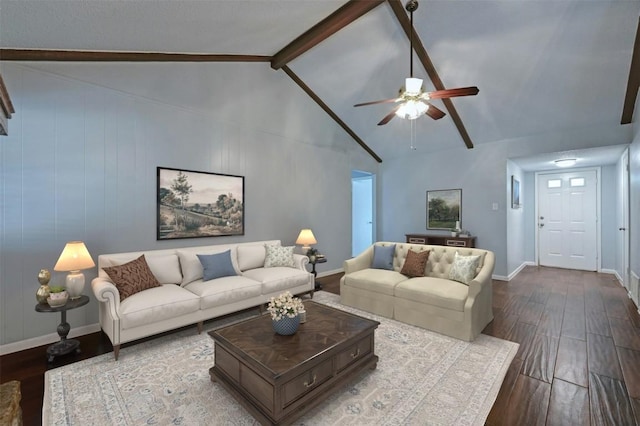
(332, 272)
(514, 273)
(613, 272)
(47, 339)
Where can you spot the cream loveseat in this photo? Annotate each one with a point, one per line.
(183, 297)
(434, 301)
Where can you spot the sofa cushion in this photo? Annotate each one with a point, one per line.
(383, 257)
(132, 277)
(278, 256)
(415, 263)
(192, 269)
(225, 290)
(376, 280)
(464, 268)
(216, 265)
(157, 304)
(251, 256)
(438, 292)
(278, 278)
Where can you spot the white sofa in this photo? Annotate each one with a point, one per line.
(183, 297)
(434, 301)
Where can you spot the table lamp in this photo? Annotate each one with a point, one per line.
(306, 238)
(74, 258)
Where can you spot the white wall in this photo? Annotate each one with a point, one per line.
(516, 219)
(85, 141)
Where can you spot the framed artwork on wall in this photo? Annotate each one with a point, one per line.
(444, 208)
(194, 204)
(515, 193)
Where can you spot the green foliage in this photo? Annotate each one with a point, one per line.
(56, 289)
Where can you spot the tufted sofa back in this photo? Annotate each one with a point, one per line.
(440, 257)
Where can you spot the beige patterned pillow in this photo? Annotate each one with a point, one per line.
(464, 268)
(415, 263)
(132, 277)
(278, 256)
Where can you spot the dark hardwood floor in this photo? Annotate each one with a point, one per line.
(578, 362)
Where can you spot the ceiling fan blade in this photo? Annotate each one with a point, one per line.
(384, 101)
(452, 93)
(387, 118)
(435, 112)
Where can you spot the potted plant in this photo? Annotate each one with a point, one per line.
(312, 254)
(57, 296)
(284, 311)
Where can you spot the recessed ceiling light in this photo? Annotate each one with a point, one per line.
(565, 162)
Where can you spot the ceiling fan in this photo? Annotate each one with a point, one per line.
(412, 100)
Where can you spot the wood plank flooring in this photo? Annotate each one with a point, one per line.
(579, 359)
(578, 362)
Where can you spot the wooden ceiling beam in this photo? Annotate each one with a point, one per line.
(418, 47)
(106, 56)
(328, 110)
(333, 23)
(633, 85)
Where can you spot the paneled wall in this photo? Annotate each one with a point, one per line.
(80, 163)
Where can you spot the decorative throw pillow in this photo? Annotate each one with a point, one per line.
(415, 263)
(216, 265)
(464, 268)
(132, 277)
(383, 257)
(278, 256)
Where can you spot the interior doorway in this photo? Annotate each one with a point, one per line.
(624, 220)
(362, 211)
(567, 218)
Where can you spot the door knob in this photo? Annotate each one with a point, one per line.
(541, 225)
(541, 217)
(622, 229)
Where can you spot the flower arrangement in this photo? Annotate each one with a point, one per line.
(285, 305)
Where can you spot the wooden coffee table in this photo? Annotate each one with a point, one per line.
(279, 378)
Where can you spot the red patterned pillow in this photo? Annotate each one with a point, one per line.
(415, 263)
(132, 277)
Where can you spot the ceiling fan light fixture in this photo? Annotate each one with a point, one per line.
(413, 86)
(565, 162)
(410, 110)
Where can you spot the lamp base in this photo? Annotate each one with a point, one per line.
(75, 284)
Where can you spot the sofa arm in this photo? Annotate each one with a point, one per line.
(482, 281)
(360, 262)
(106, 292)
(300, 261)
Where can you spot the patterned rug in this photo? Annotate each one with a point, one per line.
(422, 378)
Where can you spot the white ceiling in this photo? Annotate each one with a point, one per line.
(543, 67)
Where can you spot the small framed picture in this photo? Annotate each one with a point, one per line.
(515, 193)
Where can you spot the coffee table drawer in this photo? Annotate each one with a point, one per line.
(353, 353)
(307, 381)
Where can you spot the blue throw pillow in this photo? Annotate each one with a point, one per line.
(383, 257)
(216, 265)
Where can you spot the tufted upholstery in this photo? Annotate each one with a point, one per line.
(433, 301)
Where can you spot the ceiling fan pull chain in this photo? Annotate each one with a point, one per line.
(413, 134)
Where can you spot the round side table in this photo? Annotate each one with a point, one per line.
(313, 270)
(64, 346)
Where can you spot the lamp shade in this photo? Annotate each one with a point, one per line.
(306, 238)
(74, 257)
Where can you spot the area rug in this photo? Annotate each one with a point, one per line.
(422, 378)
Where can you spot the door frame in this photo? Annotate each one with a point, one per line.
(372, 177)
(598, 171)
(626, 221)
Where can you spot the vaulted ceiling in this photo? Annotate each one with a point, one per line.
(542, 67)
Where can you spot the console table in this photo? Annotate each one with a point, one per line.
(64, 346)
(441, 240)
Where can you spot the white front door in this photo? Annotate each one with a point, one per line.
(567, 220)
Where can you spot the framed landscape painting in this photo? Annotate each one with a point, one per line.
(194, 204)
(444, 208)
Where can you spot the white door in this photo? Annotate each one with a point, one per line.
(362, 212)
(567, 220)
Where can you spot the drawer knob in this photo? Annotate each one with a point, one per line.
(356, 353)
(313, 382)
